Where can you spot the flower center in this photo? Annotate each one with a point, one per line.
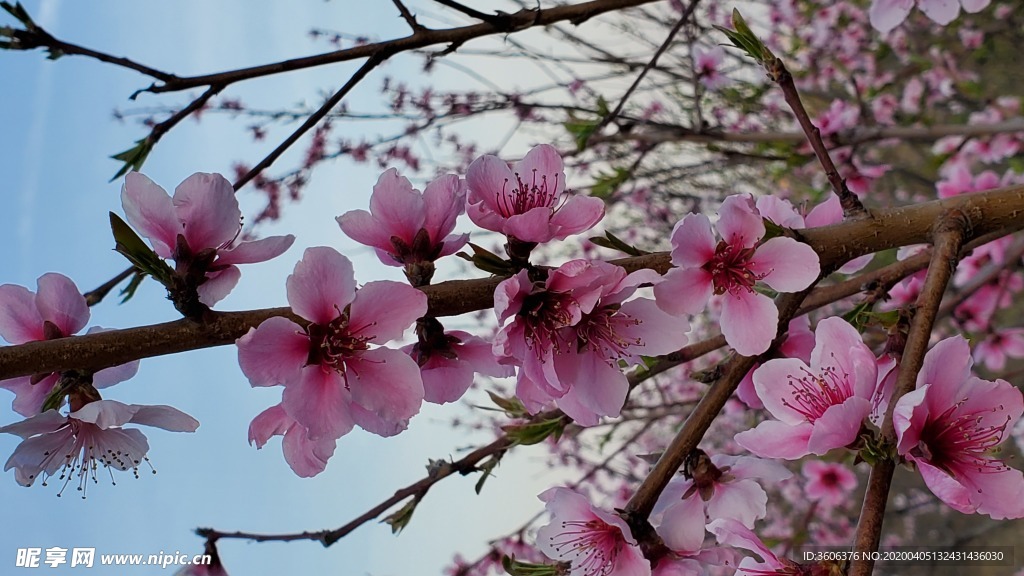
(812, 394)
(528, 195)
(591, 546)
(543, 315)
(85, 448)
(333, 344)
(954, 441)
(730, 268)
(597, 331)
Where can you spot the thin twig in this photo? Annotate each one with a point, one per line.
(408, 16)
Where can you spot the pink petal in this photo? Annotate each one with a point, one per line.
(273, 421)
(485, 216)
(543, 162)
(772, 383)
(387, 383)
(742, 500)
(974, 6)
(105, 413)
(779, 211)
(746, 391)
(207, 206)
(693, 241)
(743, 467)
(318, 400)
(941, 11)
(446, 380)
(60, 302)
(947, 366)
(274, 353)
(828, 212)
(682, 525)
(487, 179)
(29, 459)
(787, 265)
(947, 488)
(532, 226)
(29, 397)
(20, 321)
(322, 285)
(839, 346)
(838, 425)
(773, 439)
(115, 374)
(888, 14)
(255, 251)
(739, 224)
(218, 285)
(908, 417)
(684, 291)
(374, 424)
(453, 243)
(166, 417)
(38, 424)
(749, 322)
(477, 352)
(599, 389)
(991, 403)
(306, 457)
(360, 226)
(384, 310)
(150, 211)
(650, 331)
(444, 199)
(399, 209)
(578, 214)
(999, 494)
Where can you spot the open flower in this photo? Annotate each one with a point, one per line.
(409, 228)
(730, 268)
(306, 457)
(78, 443)
(449, 360)
(56, 310)
(828, 482)
(528, 203)
(333, 379)
(592, 541)
(948, 427)
(818, 407)
(198, 228)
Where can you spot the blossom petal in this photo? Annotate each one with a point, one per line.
(578, 214)
(543, 163)
(999, 494)
(947, 366)
(274, 353)
(362, 227)
(255, 251)
(322, 284)
(384, 310)
(207, 206)
(946, 487)
(839, 425)
(166, 417)
(743, 500)
(374, 424)
(151, 212)
(487, 179)
(649, 330)
(684, 291)
(739, 223)
(888, 14)
(398, 207)
(29, 397)
(40, 423)
(387, 383)
(318, 400)
(105, 413)
(26, 458)
(534, 225)
(20, 321)
(444, 199)
(306, 457)
(941, 11)
(446, 381)
(693, 241)
(787, 265)
(273, 421)
(749, 322)
(218, 285)
(773, 439)
(772, 381)
(59, 301)
(682, 525)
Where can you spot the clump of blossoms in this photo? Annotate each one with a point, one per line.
(199, 229)
(528, 203)
(729, 270)
(57, 309)
(949, 426)
(332, 376)
(408, 228)
(76, 445)
(888, 14)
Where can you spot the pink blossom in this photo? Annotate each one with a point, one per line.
(198, 228)
(798, 344)
(719, 486)
(528, 203)
(818, 407)
(730, 532)
(78, 443)
(730, 268)
(333, 379)
(888, 14)
(56, 310)
(449, 360)
(708, 63)
(592, 541)
(997, 347)
(783, 213)
(407, 227)
(828, 482)
(948, 427)
(306, 457)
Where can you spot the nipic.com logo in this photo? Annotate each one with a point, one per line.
(86, 558)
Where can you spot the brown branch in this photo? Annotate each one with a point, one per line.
(950, 231)
(991, 211)
(409, 18)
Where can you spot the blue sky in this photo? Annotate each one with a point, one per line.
(57, 133)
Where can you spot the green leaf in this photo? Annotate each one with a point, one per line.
(613, 242)
(400, 519)
(488, 469)
(134, 157)
(744, 38)
(607, 184)
(129, 291)
(488, 261)
(536, 432)
(128, 243)
(517, 568)
(511, 406)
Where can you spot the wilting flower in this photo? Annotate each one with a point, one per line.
(949, 426)
(78, 443)
(333, 379)
(730, 268)
(306, 457)
(818, 407)
(56, 310)
(409, 228)
(592, 541)
(828, 482)
(528, 203)
(719, 486)
(198, 228)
